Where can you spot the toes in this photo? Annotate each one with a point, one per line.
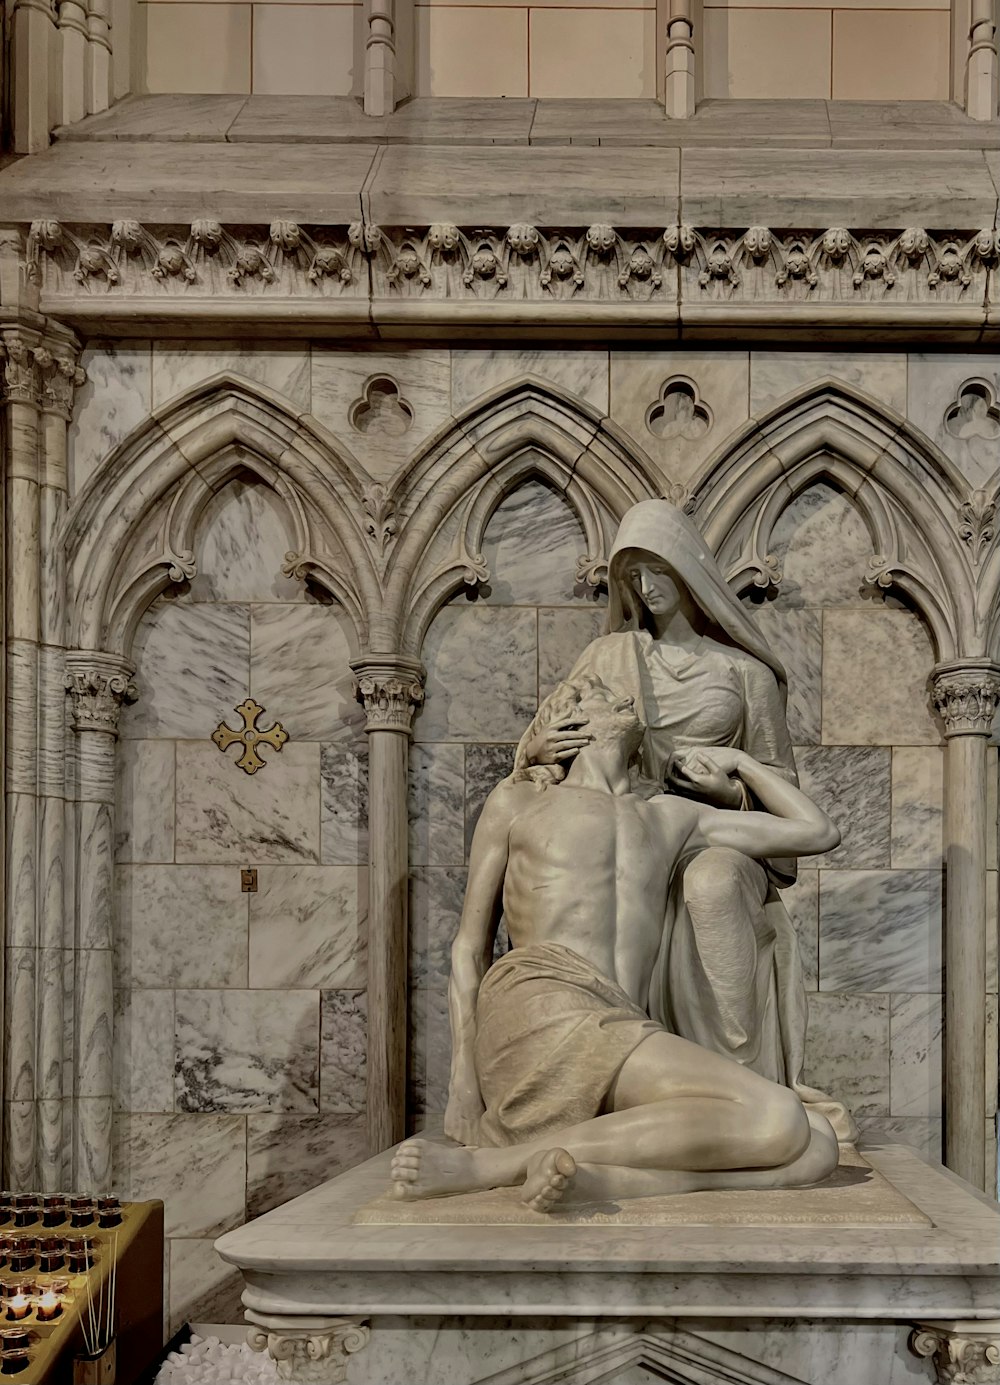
(564, 1163)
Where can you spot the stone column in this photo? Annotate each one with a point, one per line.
(390, 686)
(32, 33)
(966, 694)
(679, 88)
(98, 684)
(98, 73)
(313, 1350)
(380, 58)
(982, 71)
(74, 42)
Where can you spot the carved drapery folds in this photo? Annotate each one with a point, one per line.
(964, 1353)
(315, 1352)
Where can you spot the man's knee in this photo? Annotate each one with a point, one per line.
(784, 1130)
(715, 878)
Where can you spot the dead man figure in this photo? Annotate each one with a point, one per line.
(559, 1077)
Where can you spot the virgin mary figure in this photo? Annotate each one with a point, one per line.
(729, 975)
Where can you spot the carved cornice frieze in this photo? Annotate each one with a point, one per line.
(390, 688)
(707, 271)
(99, 686)
(967, 695)
(966, 1353)
(312, 1354)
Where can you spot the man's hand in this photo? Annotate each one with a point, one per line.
(706, 772)
(560, 740)
(462, 1117)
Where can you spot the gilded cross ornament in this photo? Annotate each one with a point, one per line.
(249, 737)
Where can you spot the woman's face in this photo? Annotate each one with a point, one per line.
(655, 585)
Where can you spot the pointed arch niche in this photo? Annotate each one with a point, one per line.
(218, 554)
(840, 525)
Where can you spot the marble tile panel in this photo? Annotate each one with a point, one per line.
(533, 545)
(144, 816)
(917, 798)
(436, 897)
(823, 548)
(915, 1055)
(289, 1155)
(307, 50)
(344, 804)
(144, 1050)
(992, 813)
(606, 52)
(115, 398)
(196, 1165)
(775, 375)
(485, 766)
(851, 784)
(218, 62)
(563, 635)
(420, 120)
(847, 1050)
(300, 671)
(954, 399)
(224, 815)
(766, 54)
(165, 118)
(991, 930)
(802, 902)
(922, 1133)
(921, 47)
(381, 404)
(243, 537)
(343, 1052)
(470, 51)
(181, 925)
(243, 1051)
(429, 1051)
(192, 666)
(992, 1056)
(680, 405)
(203, 1287)
(581, 372)
(482, 678)
(281, 367)
(307, 926)
(880, 930)
(796, 637)
(867, 698)
(436, 805)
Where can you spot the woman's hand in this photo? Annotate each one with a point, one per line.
(560, 740)
(706, 772)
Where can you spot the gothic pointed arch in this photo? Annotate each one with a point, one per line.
(907, 492)
(447, 495)
(131, 533)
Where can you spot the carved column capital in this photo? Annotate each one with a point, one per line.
(314, 1354)
(60, 377)
(964, 1353)
(37, 372)
(391, 687)
(19, 383)
(967, 695)
(99, 684)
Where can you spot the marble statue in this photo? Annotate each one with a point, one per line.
(701, 674)
(559, 1075)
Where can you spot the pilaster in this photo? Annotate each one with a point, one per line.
(313, 1351)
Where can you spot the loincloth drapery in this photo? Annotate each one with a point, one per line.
(551, 1037)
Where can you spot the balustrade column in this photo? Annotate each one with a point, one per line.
(32, 34)
(390, 687)
(380, 57)
(982, 71)
(966, 694)
(679, 89)
(98, 72)
(98, 683)
(75, 41)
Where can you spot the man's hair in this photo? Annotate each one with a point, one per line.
(563, 701)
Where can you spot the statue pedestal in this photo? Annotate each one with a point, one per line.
(895, 1278)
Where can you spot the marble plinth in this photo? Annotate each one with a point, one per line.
(695, 1299)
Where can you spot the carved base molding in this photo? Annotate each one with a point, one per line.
(313, 1351)
(584, 277)
(964, 1353)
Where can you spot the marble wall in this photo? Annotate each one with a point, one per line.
(241, 1016)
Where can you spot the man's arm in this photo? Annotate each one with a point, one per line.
(792, 824)
(471, 954)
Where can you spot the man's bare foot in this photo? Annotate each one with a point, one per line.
(420, 1169)
(550, 1175)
